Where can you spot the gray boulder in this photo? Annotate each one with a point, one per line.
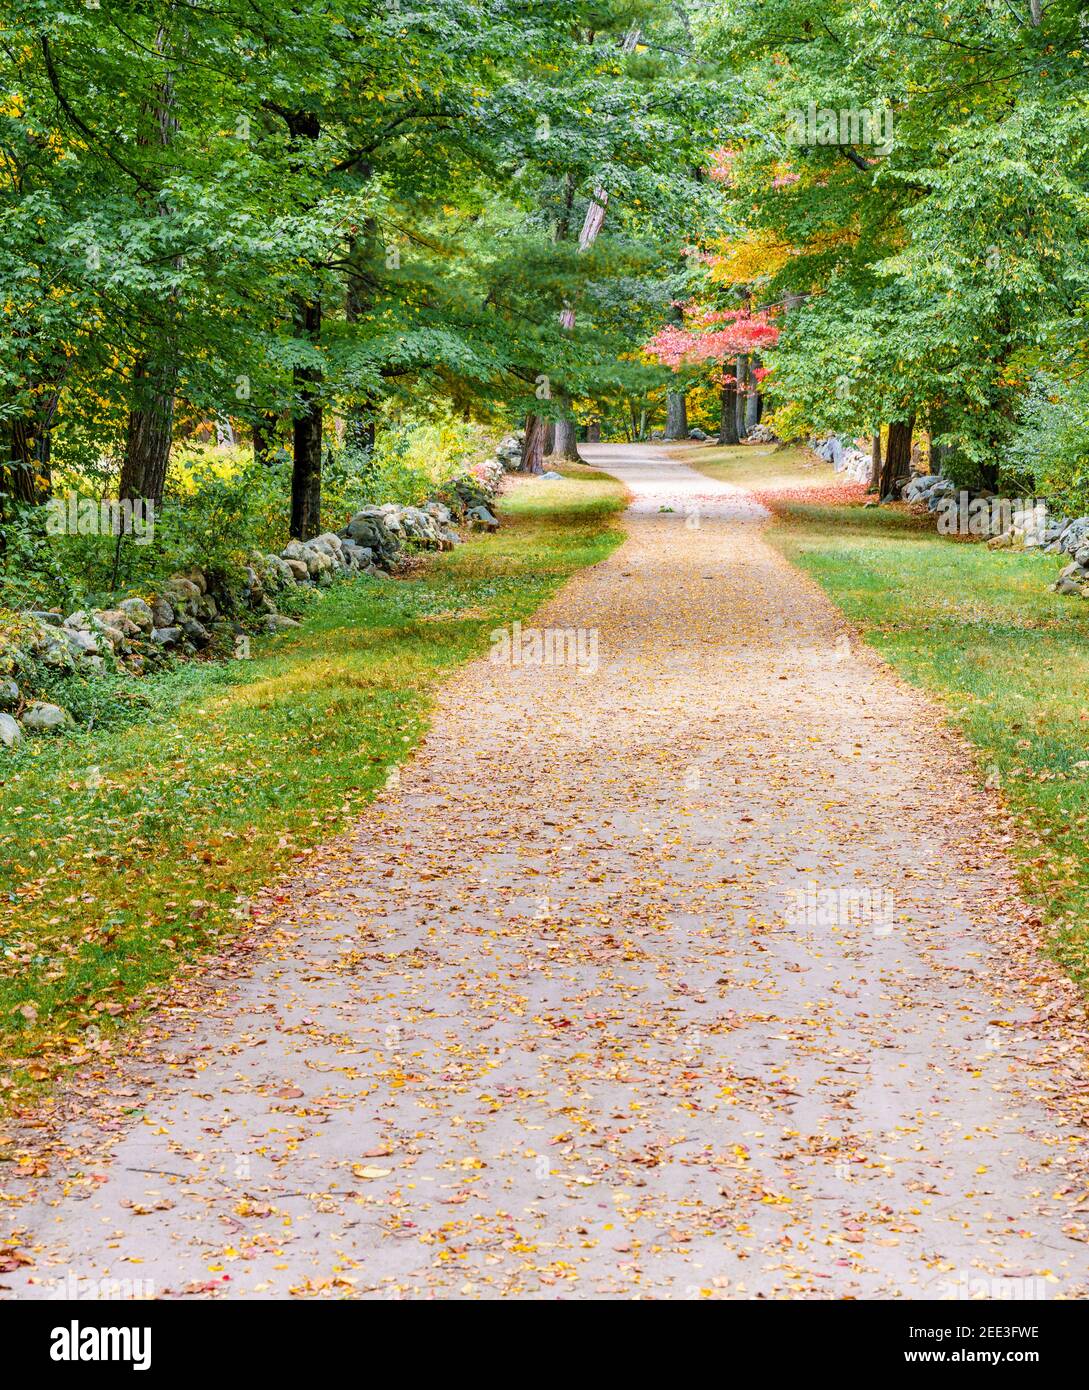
(9, 694)
(120, 621)
(356, 556)
(1076, 535)
(11, 735)
(44, 718)
(195, 632)
(162, 614)
(55, 649)
(368, 528)
(283, 572)
(85, 642)
(481, 517)
(318, 561)
(139, 613)
(114, 636)
(181, 593)
(329, 542)
(196, 577)
(166, 636)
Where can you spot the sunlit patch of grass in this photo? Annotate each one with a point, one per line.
(982, 631)
(757, 466)
(124, 851)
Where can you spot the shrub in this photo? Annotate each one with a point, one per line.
(789, 422)
(1049, 454)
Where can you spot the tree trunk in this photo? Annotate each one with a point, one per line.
(306, 434)
(359, 297)
(727, 432)
(752, 400)
(593, 432)
(154, 375)
(561, 442)
(22, 472)
(150, 430)
(897, 465)
(533, 449)
(875, 466)
(676, 415)
(28, 477)
(742, 386)
(565, 445)
(549, 437)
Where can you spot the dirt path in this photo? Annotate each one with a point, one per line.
(690, 975)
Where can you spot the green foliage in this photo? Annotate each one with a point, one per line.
(1050, 452)
(789, 422)
(939, 271)
(178, 187)
(414, 458)
(31, 572)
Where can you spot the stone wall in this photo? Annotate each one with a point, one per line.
(194, 608)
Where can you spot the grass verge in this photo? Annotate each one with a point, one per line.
(978, 629)
(124, 848)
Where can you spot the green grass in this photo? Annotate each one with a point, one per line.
(980, 630)
(125, 847)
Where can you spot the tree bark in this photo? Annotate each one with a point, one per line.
(155, 375)
(875, 465)
(29, 475)
(306, 434)
(360, 417)
(533, 449)
(593, 432)
(741, 387)
(676, 415)
(897, 465)
(727, 432)
(565, 444)
(752, 400)
(307, 411)
(562, 443)
(22, 471)
(150, 430)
